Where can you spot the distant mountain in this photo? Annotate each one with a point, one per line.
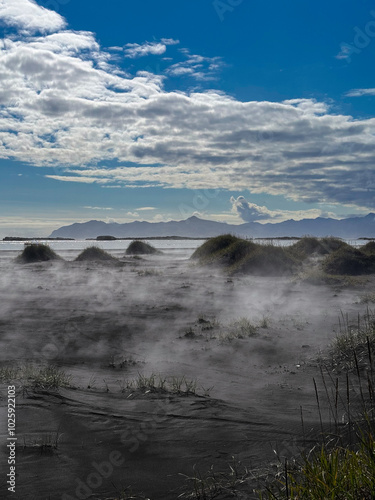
(354, 227)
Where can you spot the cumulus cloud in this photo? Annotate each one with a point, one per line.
(65, 103)
(249, 212)
(29, 17)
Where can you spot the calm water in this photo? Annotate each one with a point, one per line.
(177, 248)
(70, 249)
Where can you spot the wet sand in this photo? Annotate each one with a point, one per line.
(106, 323)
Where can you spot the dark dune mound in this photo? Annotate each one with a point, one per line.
(139, 247)
(241, 256)
(266, 260)
(214, 245)
(95, 254)
(369, 248)
(308, 246)
(349, 261)
(37, 253)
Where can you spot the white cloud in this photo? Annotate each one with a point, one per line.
(29, 17)
(250, 212)
(145, 208)
(196, 66)
(98, 208)
(64, 103)
(134, 50)
(360, 92)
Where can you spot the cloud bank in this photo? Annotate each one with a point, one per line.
(65, 104)
(29, 17)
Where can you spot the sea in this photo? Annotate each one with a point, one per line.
(179, 249)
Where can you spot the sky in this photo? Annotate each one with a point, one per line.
(230, 110)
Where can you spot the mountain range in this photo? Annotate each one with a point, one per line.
(194, 227)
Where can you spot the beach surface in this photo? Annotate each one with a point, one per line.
(106, 324)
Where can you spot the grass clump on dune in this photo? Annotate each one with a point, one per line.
(339, 473)
(214, 246)
(354, 347)
(310, 245)
(342, 466)
(162, 384)
(35, 376)
(267, 260)
(37, 252)
(369, 248)
(95, 253)
(242, 256)
(138, 247)
(349, 261)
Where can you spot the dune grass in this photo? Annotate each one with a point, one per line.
(214, 484)
(157, 383)
(349, 261)
(309, 245)
(339, 473)
(34, 376)
(46, 443)
(243, 256)
(354, 347)
(238, 329)
(338, 259)
(209, 328)
(95, 253)
(37, 252)
(342, 465)
(139, 247)
(369, 248)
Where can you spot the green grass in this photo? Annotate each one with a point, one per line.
(138, 247)
(339, 473)
(34, 376)
(308, 246)
(338, 259)
(342, 465)
(37, 252)
(95, 253)
(369, 248)
(243, 256)
(214, 246)
(349, 261)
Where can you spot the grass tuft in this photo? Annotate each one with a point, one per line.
(153, 383)
(349, 261)
(95, 253)
(34, 376)
(138, 247)
(37, 252)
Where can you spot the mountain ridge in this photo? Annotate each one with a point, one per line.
(352, 227)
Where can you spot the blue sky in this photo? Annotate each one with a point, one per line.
(232, 110)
